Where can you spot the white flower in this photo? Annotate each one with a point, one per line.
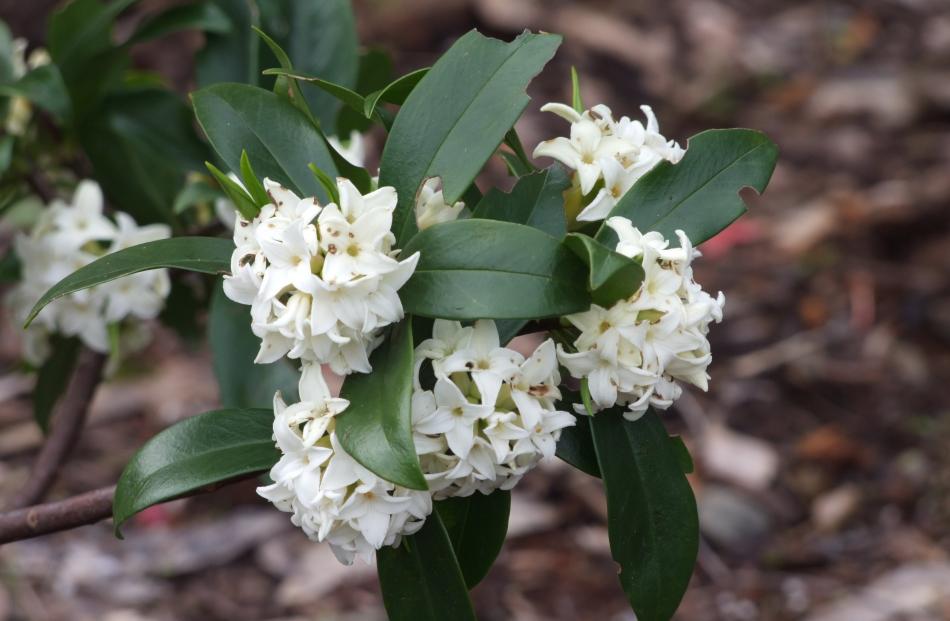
(331, 496)
(19, 110)
(321, 281)
(491, 414)
(613, 154)
(431, 207)
(635, 352)
(354, 151)
(69, 236)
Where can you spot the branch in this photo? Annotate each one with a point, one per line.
(79, 510)
(76, 511)
(65, 427)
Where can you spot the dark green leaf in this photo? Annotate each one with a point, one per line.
(81, 31)
(651, 512)
(141, 145)
(477, 526)
(612, 276)
(203, 15)
(421, 579)
(43, 86)
(241, 382)
(209, 255)
(376, 427)
(395, 92)
(284, 86)
(199, 451)
(280, 140)
(700, 195)
(536, 200)
(576, 444)
(231, 56)
(457, 115)
(375, 72)
(341, 93)
(518, 162)
(6, 53)
(253, 185)
(53, 377)
(682, 454)
(195, 193)
(242, 201)
(486, 269)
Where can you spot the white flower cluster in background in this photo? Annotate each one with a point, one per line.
(634, 352)
(66, 237)
(321, 280)
(490, 416)
(431, 207)
(332, 497)
(613, 153)
(19, 110)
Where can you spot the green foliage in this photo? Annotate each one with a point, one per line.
(241, 382)
(44, 87)
(457, 115)
(421, 579)
(536, 200)
(279, 139)
(486, 269)
(477, 526)
(203, 15)
(612, 276)
(700, 194)
(209, 255)
(231, 56)
(203, 450)
(53, 377)
(376, 428)
(651, 513)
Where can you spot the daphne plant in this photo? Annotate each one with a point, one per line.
(411, 283)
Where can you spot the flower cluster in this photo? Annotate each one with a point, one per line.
(66, 237)
(490, 415)
(431, 207)
(321, 280)
(634, 352)
(19, 110)
(332, 497)
(607, 155)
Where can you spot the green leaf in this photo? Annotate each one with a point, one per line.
(682, 454)
(576, 100)
(374, 73)
(242, 201)
(53, 377)
(328, 184)
(700, 194)
(6, 53)
(205, 16)
(421, 579)
(81, 31)
(519, 164)
(320, 38)
(231, 56)
(241, 382)
(457, 115)
(195, 193)
(341, 93)
(612, 276)
(651, 513)
(477, 526)
(253, 185)
(43, 86)
(576, 444)
(280, 140)
(486, 269)
(142, 144)
(376, 427)
(199, 451)
(536, 200)
(283, 86)
(209, 255)
(395, 92)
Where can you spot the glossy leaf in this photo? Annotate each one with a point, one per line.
(142, 144)
(457, 115)
(341, 93)
(486, 269)
(199, 451)
(374, 73)
(700, 194)
(651, 513)
(536, 200)
(43, 86)
(53, 377)
(576, 444)
(477, 526)
(209, 255)
(231, 56)
(205, 16)
(280, 140)
(421, 579)
(376, 427)
(241, 382)
(395, 92)
(612, 276)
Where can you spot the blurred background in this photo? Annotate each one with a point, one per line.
(823, 474)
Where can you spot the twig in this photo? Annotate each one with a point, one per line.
(51, 517)
(65, 427)
(76, 511)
